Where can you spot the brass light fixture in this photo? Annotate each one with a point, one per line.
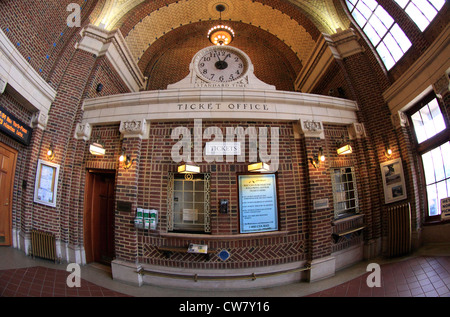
(126, 160)
(317, 159)
(260, 167)
(50, 152)
(220, 34)
(97, 147)
(343, 147)
(188, 169)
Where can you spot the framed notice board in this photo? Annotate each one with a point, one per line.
(46, 185)
(258, 206)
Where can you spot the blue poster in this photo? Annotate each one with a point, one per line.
(258, 203)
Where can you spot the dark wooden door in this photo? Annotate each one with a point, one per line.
(99, 217)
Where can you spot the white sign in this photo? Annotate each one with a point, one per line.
(258, 203)
(223, 148)
(320, 204)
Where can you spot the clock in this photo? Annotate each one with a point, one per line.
(220, 64)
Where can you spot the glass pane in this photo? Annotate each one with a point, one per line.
(199, 186)
(442, 193)
(199, 197)
(438, 4)
(372, 4)
(445, 148)
(419, 18)
(364, 10)
(189, 185)
(384, 17)
(432, 200)
(438, 119)
(419, 128)
(359, 18)
(178, 185)
(372, 34)
(438, 164)
(351, 4)
(188, 197)
(400, 37)
(428, 10)
(428, 167)
(395, 50)
(385, 56)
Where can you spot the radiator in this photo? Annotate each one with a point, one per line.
(43, 245)
(399, 230)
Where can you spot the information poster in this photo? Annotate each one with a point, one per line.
(258, 203)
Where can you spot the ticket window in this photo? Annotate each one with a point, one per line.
(190, 203)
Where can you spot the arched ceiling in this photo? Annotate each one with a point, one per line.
(295, 24)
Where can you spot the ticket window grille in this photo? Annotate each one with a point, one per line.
(345, 194)
(188, 203)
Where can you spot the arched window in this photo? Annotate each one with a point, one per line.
(385, 35)
(422, 12)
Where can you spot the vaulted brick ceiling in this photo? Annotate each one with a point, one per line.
(288, 29)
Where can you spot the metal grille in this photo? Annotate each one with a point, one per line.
(399, 230)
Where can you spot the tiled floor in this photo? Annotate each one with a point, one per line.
(418, 275)
(41, 281)
(415, 277)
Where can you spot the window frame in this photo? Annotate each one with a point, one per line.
(426, 146)
(356, 209)
(411, 2)
(206, 226)
(381, 43)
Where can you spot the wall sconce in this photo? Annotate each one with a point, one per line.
(388, 152)
(126, 160)
(259, 167)
(319, 157)
(346, 149)
(188, 169)
(343, 147)
(97, 147)
(50, 152)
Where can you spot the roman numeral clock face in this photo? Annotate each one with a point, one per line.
(221, 65)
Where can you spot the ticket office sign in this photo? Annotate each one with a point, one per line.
(258, 203)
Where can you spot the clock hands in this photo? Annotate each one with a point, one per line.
(220, 64)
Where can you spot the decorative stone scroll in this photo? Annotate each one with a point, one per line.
(134, 129)
(83, 131)
(312, 129)
(399, 119)
(39, 120)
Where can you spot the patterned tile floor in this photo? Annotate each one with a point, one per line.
(415, 277)
(421, 275)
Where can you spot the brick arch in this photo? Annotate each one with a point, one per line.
(167, 60)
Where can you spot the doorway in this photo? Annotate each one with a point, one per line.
(99, 216)
(8, 158)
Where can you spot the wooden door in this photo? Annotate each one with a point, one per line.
(8, 157)
(99, 217)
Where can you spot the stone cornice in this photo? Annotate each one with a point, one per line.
(100, 42)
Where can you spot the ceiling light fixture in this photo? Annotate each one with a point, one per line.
(221, 34)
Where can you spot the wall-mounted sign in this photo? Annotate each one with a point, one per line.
(258, 203)
(223, 148)
(320, 203)
(14, 127)
(46, 184)
(445, 208)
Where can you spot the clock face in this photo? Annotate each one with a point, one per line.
(218, 64)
